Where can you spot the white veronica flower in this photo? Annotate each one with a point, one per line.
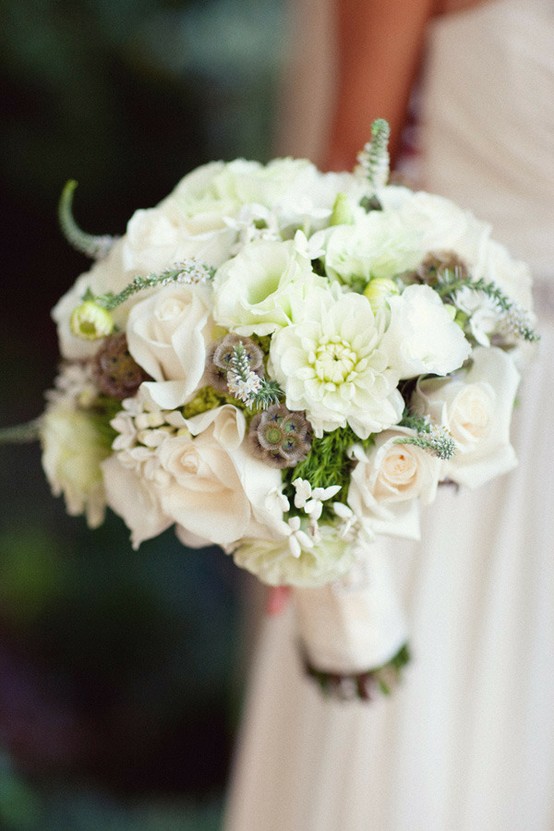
(331, 364)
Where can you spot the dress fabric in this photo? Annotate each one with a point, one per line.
(467, 742)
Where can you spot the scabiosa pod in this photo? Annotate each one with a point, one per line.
(280, 437)
(115, 371)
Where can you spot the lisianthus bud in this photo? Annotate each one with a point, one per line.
(91, 321)
(378, 290)
(342, 212)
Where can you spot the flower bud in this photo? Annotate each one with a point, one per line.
(342, 212)
(378, 290)
(91, 321)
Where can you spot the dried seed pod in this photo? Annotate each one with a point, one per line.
(280, 437)
(220, 355)
(439, 261)
(115, 371)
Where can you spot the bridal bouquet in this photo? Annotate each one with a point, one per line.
(287, 363)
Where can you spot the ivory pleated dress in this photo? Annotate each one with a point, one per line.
(467, 743)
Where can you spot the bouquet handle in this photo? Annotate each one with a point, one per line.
(354, 627)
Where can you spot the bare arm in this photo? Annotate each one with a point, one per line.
(379, 48)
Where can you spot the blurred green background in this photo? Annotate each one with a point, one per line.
(119, 687)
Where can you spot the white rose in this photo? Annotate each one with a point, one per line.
(205, 197)
(167, 333)
(389, 480)
(255, 292)
(72, 452)
(477, 409)
(215, 491)
(377, 245)
(157, 238)
(422, 337)
(331, 363)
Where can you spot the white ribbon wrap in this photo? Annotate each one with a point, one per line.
(354, 624)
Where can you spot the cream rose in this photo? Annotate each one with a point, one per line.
(422, 337)
(441, 224)
(105, 275)
(477, 409)
(214, 491)
(133, 494)
(388, 482)
(167, 333)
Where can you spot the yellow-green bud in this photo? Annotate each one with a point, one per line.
(461, 318)
(342, 212)
(378, 290)
(90, 321)
(451, 310)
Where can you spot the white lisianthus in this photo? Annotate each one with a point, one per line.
(73, 449)
(255, 292)
(476, 408)
(331, 363)
(377, 245)
(441, 224)
(274, 563)
(389, 481)
(167, 333)
(422, 337)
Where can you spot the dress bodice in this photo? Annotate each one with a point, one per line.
(488, 121)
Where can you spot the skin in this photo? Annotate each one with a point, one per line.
(380, 46)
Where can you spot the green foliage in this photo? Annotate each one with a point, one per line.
(327, 464)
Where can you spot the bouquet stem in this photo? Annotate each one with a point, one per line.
(21, 433)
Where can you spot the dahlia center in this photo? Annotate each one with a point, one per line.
(335, 360)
